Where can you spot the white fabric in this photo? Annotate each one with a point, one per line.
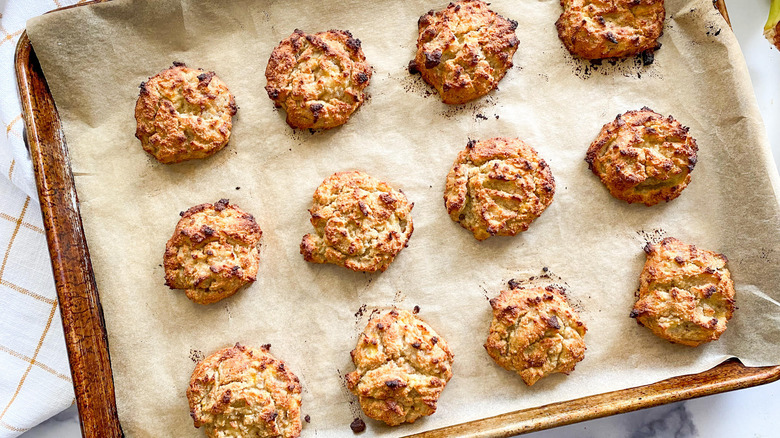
(35, 378)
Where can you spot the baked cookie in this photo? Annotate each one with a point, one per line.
(464, 50)
(535, 332)
(611, 28)
(498, 187)
(213, 252)
(402, 368)
(244, 391)
(686, 294)
(643, 157)
(318, 78)
(183, 114)
(360, 222)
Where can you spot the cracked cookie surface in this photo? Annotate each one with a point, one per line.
(598, 29)
(535, 332)
(402, 366)
(360, 223)
(497, 187)
(464, 50)
(643, 157)
(214, 251)
(184, 114)
(318, 79)
(243, 391)
(686, 294)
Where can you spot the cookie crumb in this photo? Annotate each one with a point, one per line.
(357, 425)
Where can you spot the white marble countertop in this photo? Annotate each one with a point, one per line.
(745, 413)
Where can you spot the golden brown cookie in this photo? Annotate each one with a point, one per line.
(318, 78)
(244, 391)
(402, 368)
(213, 252)
(464, 50)
(498, 187)
(183, 114)
(535, 332)
(611, 28)
(643, 157)
(360, 223)
(686, 294)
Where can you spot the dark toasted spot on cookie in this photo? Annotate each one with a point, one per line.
(424, 19)
(179, 64)
(204, 79)
(634, 313)
(269, 417)
(434, 340)
(221, 204)
(362, 78)
(432, 59)
(353, 43)
(207, 230)
(364, 208)
(395, 383)
(387, 198)
(553, 322)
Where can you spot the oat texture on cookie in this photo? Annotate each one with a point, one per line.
(535, 332)
(184, 114)
(497, 187)
(686, 294)
(318, 79)
(402, 366)
(643, 157)
(360, 223)
(464, 50)
(243, 391)
(611, 28)
(214, 251)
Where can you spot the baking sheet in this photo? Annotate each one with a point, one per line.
(94, 58)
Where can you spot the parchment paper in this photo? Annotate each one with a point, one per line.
(95, 57)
